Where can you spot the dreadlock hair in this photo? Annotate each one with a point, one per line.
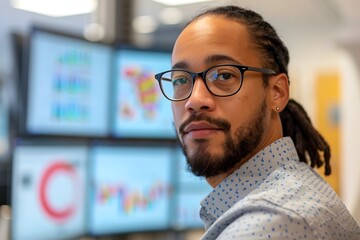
(295, 122)
(308, 141)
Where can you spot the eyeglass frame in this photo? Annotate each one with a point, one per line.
(202, 74)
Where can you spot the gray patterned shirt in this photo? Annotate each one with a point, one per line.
(274, 196)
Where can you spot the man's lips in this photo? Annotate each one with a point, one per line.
(198, 126)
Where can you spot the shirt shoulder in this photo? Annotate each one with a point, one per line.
(294, 203)
(266, 223)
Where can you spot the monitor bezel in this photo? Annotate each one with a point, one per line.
(25, 82)
(171, 146)
(117, 51)
(46, 142)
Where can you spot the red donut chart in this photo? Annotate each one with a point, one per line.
(55, 214)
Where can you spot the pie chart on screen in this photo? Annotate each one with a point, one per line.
(59, 190)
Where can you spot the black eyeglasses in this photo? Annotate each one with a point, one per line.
(221, 80)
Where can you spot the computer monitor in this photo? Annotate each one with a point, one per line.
(140, 110)
(68, 84)
(48, 191)
(188, 193)
(129, 189)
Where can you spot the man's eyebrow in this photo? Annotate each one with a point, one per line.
(211, 60)
(219, 58)
(180, 65)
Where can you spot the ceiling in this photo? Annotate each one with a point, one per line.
(289, 17)
(280, 11)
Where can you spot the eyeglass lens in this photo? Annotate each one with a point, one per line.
(220, 81)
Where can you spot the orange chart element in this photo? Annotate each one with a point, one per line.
(328, 120)
(56, 214)
(147, 89)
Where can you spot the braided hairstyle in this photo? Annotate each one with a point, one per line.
(309, 143)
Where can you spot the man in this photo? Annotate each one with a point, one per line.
(229, 89)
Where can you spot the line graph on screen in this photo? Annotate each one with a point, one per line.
(130, 200)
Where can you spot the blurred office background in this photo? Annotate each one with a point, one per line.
(91, 153)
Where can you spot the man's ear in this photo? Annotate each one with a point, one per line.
(278, 90)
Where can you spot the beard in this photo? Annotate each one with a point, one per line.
(235, 150)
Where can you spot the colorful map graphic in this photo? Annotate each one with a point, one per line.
(142, 110)
(147, 90)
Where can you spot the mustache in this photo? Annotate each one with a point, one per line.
(218, 122)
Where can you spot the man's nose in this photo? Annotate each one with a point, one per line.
(200, 98)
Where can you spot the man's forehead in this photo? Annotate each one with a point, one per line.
(209, 61)
(213, 30)
(209, 41)
(210, 21)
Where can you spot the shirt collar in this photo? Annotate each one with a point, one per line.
(248, 177)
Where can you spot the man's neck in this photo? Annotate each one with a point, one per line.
(215, 180)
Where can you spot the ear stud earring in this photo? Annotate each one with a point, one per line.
(277, 108)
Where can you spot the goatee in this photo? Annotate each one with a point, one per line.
(247, 138)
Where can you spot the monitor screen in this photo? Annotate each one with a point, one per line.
(129, 189)
(68, 86)
(189, 192)
(140, 109)
(48, 192)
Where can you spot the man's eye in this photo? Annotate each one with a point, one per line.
(224, 76)
(179, 81)
(216, 76)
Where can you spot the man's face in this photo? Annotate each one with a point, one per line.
(219, 133)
